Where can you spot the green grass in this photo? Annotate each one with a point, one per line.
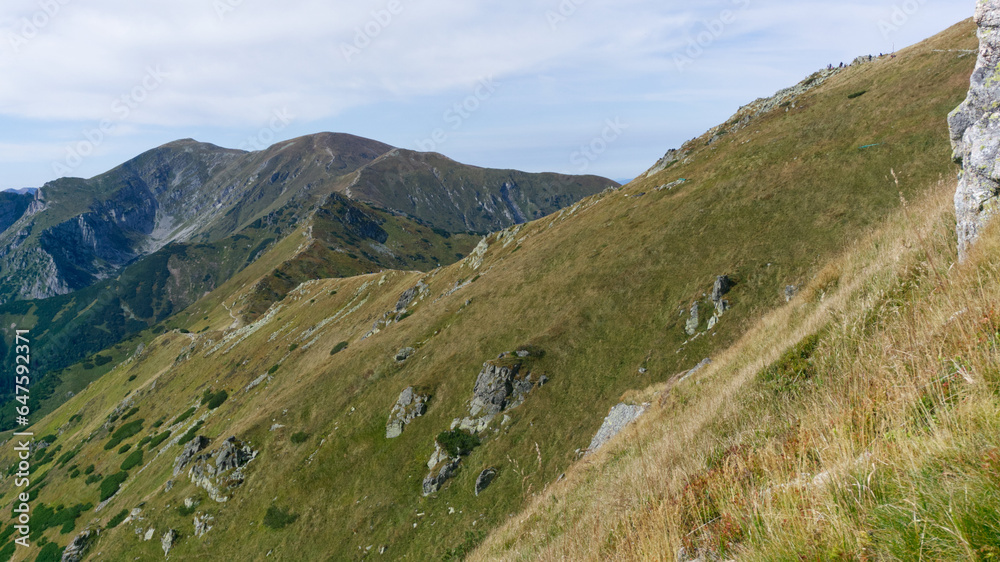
(299, 437)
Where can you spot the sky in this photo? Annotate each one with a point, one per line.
(577, 86)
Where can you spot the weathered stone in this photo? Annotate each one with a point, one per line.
(439, 475)
(617, 419)
(202, 524)
(691, 326)
(77, 548)
(221, 470)
(975, 133)
(405, 353)
(790, 292)
(409, 406)
(189, 451)
(723, 284)
(494, 386)
(484, 479)
(167, 541)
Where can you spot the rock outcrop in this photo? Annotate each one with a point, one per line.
(442, 467)
(484, 479)
(167, 541)
(409, 406)
(975, 133)
(202, 524)
(222, 470)
(77, 549)
(618, 418)
(189, 451)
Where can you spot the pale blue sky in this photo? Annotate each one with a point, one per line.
(511, 84)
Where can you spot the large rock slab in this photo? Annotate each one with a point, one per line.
(617, 419)
(409, 406)
(975, 133)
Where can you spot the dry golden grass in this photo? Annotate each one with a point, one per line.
(863, 459)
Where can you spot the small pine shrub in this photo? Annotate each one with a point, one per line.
(124, 448)
(300, 437)
(458, 443)
(117, 519)
(338, 348)
(187, 414)
(132, 461)
(110, 485)
(155, 441)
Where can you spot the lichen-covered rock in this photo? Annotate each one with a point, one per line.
(484, 479)
(167, 541)
(409, 406)
(975, 133)
(498, 388)
(202, 524)
(691, 326)
(440, 474)
(618, 418)
(189, 451)
(77, 548)
(222, 470)
(723, 284)
(404, 354)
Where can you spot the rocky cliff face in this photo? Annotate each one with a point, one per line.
(975, 133)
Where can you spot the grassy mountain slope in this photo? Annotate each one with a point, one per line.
(858, 422)
(604, 288)
(129, 248)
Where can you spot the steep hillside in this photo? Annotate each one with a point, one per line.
(102, 259)
(407, 414)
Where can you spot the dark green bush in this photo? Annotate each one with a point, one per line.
(124, 448)
(123, 433)
(278, 518)
(856, 94)
(187, 414)
(191, 433)
(117, 519)
(338, 348)
(458, 442)
(214, 400)
(155, 441)
(110, 485)
(300, 437)
(273, 369)
(132, 461)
